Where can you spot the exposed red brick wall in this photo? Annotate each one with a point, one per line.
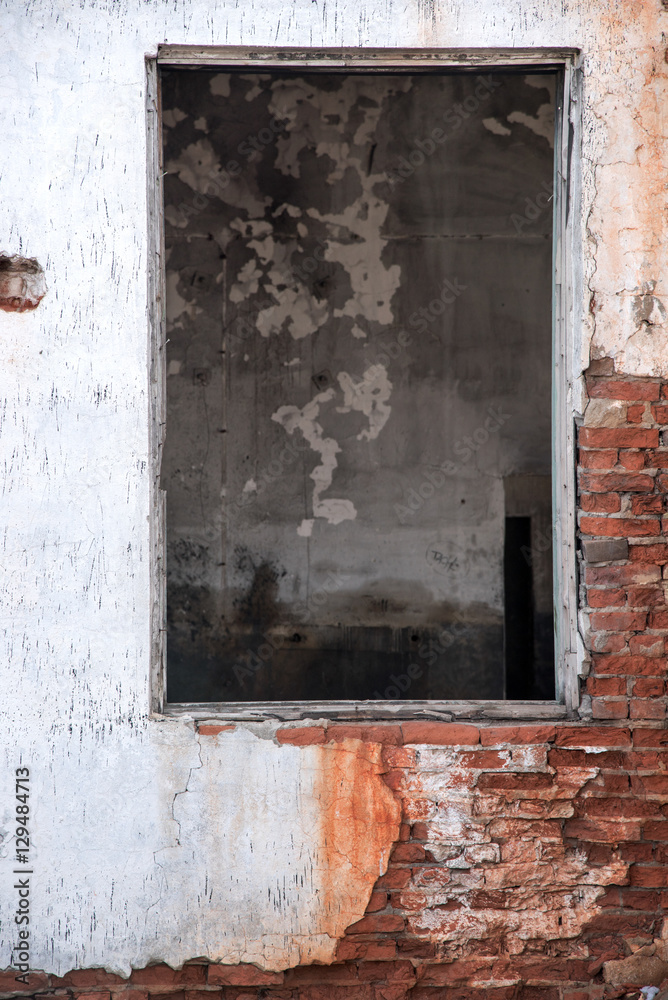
(623, 485)
(529, 855)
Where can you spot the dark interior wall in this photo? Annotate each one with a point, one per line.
(359, 314)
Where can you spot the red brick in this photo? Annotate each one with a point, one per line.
(368, 734)
(592, 736)
(302, 736)
(395, 780)
(647, 709)
(601, 686)
(634, 460)
(607, 833)
(520, 734)
(36, 981)
(459, 971)
(94, 995)
(629, 666)
(380, 951)
(610, 708)
(649, 687)
(611, 759)
(645, 596)
(212, 729)
(82, 978)
(378, 901)
(649, 876)
(598, 459)
(656, 830)
(162, 976)
(408, 852)
(650, 503)
(607, 784)
(616, 482)
(657, 458)
(619, 621)
(377, 923)
(619, 437)
(601, 503)
(513, 780)
(440, 733)
(635, 413)
(647, 645)
(618, 389)
(656, 784)
(658, 619)
(618, 807)
(657, 553)
(640, 899)
(620, 527)
(650, 737)
(398, 756)
(395, 878)
(605, 597)
(400, 971)
(307, 974)
(607, 642)
(660, 414)
(242, 975)
(639, 573)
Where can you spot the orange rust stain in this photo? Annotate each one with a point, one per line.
(359, 821)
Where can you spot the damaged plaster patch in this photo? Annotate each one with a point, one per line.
(536, 886)
(292, 418)
(198, 166)
(22, 283)
(645, 315)
(369, 396)
(311, 831)
(495, 126)
(220, 85)
(172, 117)
(542, 124)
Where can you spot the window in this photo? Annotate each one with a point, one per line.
(358, 451)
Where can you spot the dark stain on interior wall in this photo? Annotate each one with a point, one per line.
(361, 266)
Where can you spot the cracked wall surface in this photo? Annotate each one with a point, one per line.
(107, 782)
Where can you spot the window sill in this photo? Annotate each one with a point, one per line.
(444, 711)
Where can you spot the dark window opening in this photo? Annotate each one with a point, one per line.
(358, 450)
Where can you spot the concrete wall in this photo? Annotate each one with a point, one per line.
(148, 843)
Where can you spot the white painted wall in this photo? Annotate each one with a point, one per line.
(119, 863)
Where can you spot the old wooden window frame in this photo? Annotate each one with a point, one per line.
(567, 297)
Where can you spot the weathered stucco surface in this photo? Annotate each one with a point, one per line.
(113, 868)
